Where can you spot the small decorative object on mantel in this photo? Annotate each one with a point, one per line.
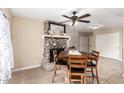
(51, 33)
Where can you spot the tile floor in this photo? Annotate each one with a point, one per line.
(110, 72)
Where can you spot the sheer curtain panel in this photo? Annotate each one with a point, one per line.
(6, 53)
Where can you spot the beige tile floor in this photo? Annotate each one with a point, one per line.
(110, 72)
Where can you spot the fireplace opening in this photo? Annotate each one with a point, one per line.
(51, 59)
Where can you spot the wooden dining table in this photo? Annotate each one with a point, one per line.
(89, 56)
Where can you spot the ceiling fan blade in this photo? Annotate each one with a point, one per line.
(66, 16)
(65, 21)
(83, 16)
(85, 21)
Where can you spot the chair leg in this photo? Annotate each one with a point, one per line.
(69, 78)
(66, 75)
(69, 81)
(85, 79)
(97, 76)
(92, 73)
(54, 74)
(82, 79)
(55, 70)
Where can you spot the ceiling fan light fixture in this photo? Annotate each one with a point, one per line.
(74, 18)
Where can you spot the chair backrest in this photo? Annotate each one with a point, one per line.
(96, 55)
(77, 61)
(77, 68)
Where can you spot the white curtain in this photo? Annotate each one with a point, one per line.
(6, 54)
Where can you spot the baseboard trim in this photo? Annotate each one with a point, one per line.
(25, 68)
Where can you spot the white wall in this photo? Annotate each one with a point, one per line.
(27, 42)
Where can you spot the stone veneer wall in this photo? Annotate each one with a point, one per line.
(46, 27)
(51, 42)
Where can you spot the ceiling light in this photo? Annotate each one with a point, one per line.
(96, 26)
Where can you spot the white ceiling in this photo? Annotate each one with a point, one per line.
(107, 17)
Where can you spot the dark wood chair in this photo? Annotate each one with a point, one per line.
(77, 68)
(92, 64)
(59, 62)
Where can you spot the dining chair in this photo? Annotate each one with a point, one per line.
(77, 68)
(59, 62)
(92, 64)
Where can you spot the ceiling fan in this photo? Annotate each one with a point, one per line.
(75, 18)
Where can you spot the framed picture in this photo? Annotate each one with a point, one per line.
(56, 28)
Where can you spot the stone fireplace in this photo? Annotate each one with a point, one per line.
(52, 42)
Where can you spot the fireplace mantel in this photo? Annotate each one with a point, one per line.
(55, 36)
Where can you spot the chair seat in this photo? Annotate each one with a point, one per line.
(61, 62)
(77, 70)
(75, 78)
(90, 64)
